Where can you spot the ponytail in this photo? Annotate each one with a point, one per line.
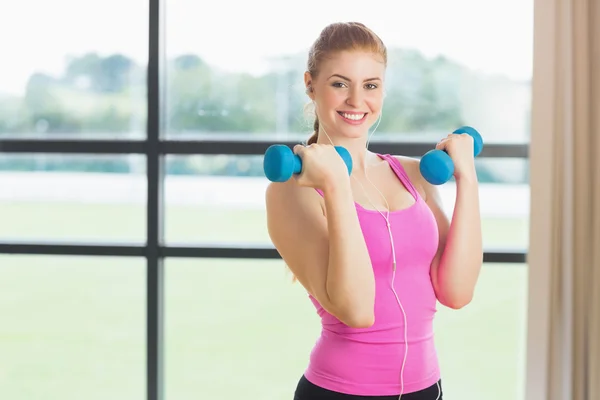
(315, 136)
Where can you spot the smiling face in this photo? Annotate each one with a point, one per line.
(348, 92)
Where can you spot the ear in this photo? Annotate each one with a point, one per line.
(308, 85)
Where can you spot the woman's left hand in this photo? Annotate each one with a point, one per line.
(459, 147)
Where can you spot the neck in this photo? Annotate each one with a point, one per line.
(356, 147)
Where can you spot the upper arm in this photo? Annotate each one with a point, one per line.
(434, 201)
(298, 230)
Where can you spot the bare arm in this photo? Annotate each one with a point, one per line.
(327, 254)
(455, 269)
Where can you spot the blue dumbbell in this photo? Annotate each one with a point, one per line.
(280, 162)
(437, 167)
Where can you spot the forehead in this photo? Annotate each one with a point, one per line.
(355, 65)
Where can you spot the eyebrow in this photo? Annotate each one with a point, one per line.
(350, 80)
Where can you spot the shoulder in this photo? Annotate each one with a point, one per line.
(285, 197)
(411, 166)
(430, 193)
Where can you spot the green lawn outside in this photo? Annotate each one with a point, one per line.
(74, 327)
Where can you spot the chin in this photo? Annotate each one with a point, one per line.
(354, 133)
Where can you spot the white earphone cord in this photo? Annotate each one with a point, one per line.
(386, 217)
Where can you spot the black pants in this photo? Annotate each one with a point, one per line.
(308, 391)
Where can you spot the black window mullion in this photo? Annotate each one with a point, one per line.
(155, 193)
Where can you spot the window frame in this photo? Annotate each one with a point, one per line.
(154, 147)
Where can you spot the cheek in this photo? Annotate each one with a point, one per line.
(375, 102)
(332, 99)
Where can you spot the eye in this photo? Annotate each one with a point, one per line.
(371, 86)
(338, 84)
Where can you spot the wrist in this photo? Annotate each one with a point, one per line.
(466, 172)
(467, 178)
(336, 186)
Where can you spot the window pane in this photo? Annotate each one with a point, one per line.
(212, 199)
(252, 329)
(482, 346)
(83, 73)
(440, 75)
(221, 199)
(234, 329)
(72, 328)
(73, 197)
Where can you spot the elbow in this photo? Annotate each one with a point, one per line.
(356, 311)
(356, 317)
(352, 315)
(360, 321)
(457, 305)
(456, 302)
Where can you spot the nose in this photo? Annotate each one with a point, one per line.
(355, 97)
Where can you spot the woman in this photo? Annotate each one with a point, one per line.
(373, 249)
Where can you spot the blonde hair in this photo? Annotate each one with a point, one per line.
(341, 36)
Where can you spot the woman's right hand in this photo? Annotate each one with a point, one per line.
(322, 166)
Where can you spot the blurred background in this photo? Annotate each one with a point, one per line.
(75, 326)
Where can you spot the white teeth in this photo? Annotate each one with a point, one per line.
(354, 117)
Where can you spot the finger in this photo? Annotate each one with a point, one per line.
(299, 149)
(441, 145)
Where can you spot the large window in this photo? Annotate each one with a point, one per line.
(129, 135)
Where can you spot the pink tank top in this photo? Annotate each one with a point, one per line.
(368, 361)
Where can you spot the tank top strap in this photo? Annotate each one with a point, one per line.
(401, 174)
